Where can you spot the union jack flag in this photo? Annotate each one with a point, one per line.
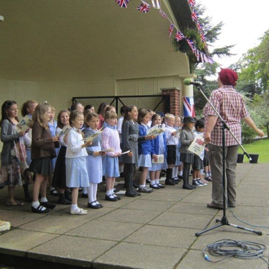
(202, 37)
(192, 3)
(179, 36)
(144, 7)
(122, 3)
(163, 14)
(171, 29)
(188, 106)
(191, 44)
(194, 16)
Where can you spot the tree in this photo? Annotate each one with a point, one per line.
(253, 69)
(205, 71)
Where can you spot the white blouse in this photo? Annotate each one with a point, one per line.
(74, 142)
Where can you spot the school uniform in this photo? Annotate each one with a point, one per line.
(94, 163)
(144, 148)
(76, 171)
(110, 139)
(159, 147)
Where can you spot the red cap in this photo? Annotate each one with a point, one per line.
(228, 77)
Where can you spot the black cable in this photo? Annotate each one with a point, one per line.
(237, 249)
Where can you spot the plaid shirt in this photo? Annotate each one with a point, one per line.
(231, 107)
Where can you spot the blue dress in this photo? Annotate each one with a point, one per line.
(94, 163)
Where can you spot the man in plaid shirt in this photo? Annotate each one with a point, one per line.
(231, 107)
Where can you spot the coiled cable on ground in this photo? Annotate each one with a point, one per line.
(237, 249)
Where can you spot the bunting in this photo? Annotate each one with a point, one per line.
(122, 3)
(145, 7)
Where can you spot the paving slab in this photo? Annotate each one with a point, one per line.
(109, 230)
(18, 242)
(71, 250)
(129, 255)
(131, 215)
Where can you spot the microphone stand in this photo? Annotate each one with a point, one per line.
(224, 219)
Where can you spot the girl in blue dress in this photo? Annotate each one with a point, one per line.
(145, 151)
(94, 159)
(159, 147)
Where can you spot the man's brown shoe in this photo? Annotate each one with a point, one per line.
(213, 205)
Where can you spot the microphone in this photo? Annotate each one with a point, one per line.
(187, 82)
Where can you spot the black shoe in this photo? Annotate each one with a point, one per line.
(64, 202)
(39, 209)
(84, 195)
(48, 205)
(161, 186)
(54, 192)
(67, 196)
(187, 187)
(94, 205)
(176, 181)
(135, 185)
(154, 186)
(169, 182)
(111, 198)
(130, 194)
(118, 197)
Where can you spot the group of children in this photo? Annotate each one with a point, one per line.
(83, 162)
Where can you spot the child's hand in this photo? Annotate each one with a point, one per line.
(86, 144)
(55, 138)
(155, 157)
(102, 153)
(96, 153)
(130, 154)
(22, 133)
(174, 133)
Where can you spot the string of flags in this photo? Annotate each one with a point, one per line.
(145, 7)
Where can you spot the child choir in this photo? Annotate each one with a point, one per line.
(82, 150)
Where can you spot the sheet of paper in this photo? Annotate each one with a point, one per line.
(197, 146)
(159, 160)
(92, 137)
(155, 130)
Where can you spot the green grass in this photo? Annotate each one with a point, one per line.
(260, 147)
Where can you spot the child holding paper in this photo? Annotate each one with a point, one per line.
(198, 163)
(159, 148)
(111, 140)
(186, 138)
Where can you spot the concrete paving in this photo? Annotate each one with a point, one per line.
(154, 230)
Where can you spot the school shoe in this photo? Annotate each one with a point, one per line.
(78, 211)
(145, 189)
(116, 196)
(48, 205)
(94, 205)
(154, 186)
(111, 198)
(62, 200)
(40, 209)
(187, 187)
(98, 203)
(208, 179)
(135, 185)
(169, 182)
(161, 186)
(54, 192)
(175, 179)
(196, 183)
(201, 182)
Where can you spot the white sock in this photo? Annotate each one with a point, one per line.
(95, 191)
(74, 207)
(181, 173)
(90, 193)
(157, 181)
(84, 190)
(43, 200)
(35, 204)
(152, 182)
(142, 186)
